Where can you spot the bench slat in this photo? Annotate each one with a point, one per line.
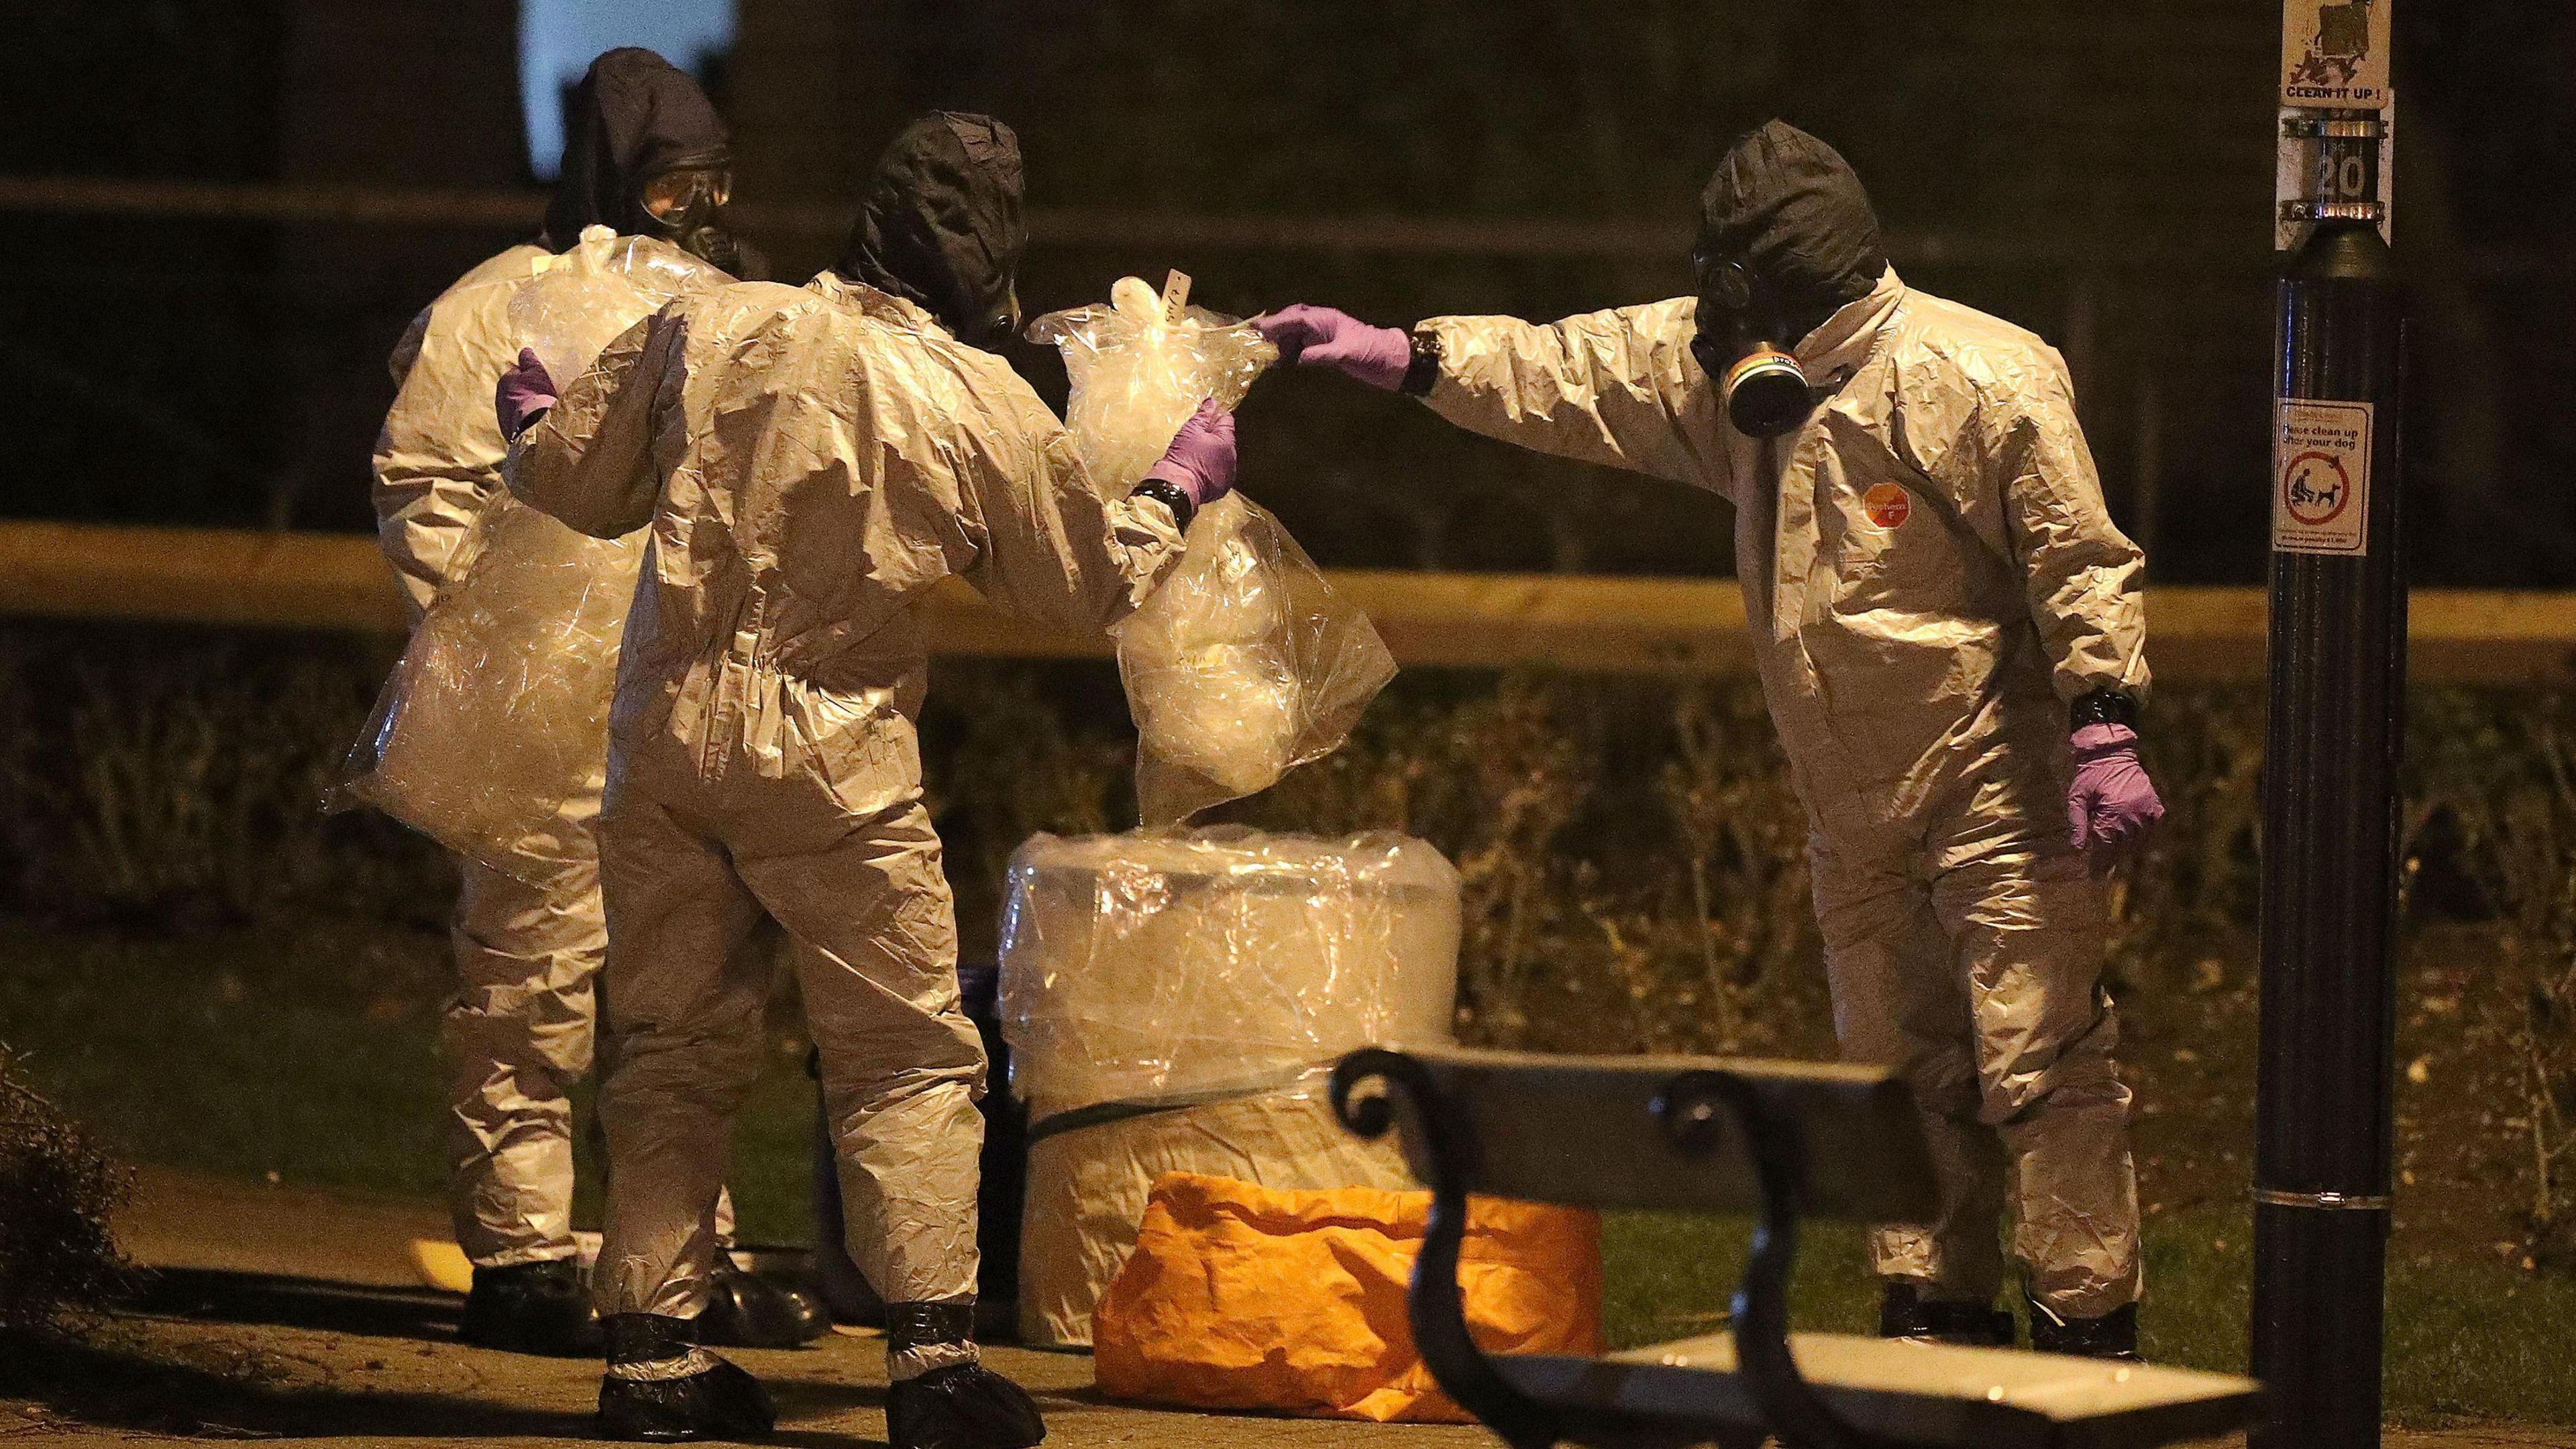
(1581, 1131)
(1930, 1394)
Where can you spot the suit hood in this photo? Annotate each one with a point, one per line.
(942, 223)
(1792, 211)
(633, 117)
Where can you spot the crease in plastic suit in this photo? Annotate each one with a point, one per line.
(1930, 577)
(520, 1031)
(811, 461)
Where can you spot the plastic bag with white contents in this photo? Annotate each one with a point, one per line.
(1138, 374)
(497, 713)
(1244, 664)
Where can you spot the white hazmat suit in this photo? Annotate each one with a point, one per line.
(1930, 577)
(517, 1035)
(811, 461)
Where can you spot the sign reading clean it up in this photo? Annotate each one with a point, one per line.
(2334, 54)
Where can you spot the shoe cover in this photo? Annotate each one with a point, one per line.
(1903, 1312)
(720, 1401)
(745, 1310)
(2112, 1335)
(539, 1308)
(963, 1406)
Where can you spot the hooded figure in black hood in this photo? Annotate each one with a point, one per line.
(941, 225)
(1790, 210)
(1787, 237)
(811, 461)
(645, 154)
(1952, 643)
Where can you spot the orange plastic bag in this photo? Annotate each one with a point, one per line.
(1245, 1297)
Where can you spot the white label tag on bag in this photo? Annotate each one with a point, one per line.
(1176, 296)
(2321, 477)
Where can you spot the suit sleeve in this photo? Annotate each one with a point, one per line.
(2082, 575)
(438, 457)
(589, 461)
(1051, 545)
(1619, 388)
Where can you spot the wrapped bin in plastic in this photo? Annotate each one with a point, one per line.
(1173, 1001)
(497, 712)
(1244, 664)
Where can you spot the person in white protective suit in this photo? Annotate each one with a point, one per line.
(1952, 642)
(646, 155)
(811, 461)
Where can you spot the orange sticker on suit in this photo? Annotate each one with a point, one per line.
(1887, 505)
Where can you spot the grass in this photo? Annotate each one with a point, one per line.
(313, 1054)
(231, 1053)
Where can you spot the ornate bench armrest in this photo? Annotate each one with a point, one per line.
(1689, 1110)
(1694, 1110)
(1436, 1305)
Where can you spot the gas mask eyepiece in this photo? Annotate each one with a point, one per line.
(686, 205)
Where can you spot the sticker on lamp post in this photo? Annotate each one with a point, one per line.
(2321, 478)
(2334, 54)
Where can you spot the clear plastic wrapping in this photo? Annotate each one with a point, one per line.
(1194, 966)
(1137, 376)
(497, 713)
(570, 311)
(1244, 664)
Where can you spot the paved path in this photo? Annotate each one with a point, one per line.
(283, 1313)
(280, 1312)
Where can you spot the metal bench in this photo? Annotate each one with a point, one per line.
(1780, 1140)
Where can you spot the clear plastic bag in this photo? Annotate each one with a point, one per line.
(497, 713)
(1137, 376)
(1196, 965)
(1244, 664)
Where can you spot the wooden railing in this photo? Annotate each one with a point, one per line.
(1476, 621)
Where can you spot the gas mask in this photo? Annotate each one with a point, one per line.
(686, 207)
(1743, 345)
(999, 324)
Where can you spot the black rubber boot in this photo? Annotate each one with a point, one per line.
(745, 1310)
(2114, 1335)
(661, 1388)
(961, 1406)
(541, 1308)
(1903, 1312)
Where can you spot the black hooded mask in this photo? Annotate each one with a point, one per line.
(1787, 236)
(633, 117)
(941, 224)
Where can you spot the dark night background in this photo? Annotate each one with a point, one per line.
(2100, 173)
(221, 979)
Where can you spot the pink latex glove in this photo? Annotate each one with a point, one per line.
(2111, 805)
(1200, 461)
(1321, 337)
(524, 394)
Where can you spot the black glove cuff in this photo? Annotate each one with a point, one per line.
(1169, 494)
(919, 1325)
(2104, 706)
(1424, 370)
